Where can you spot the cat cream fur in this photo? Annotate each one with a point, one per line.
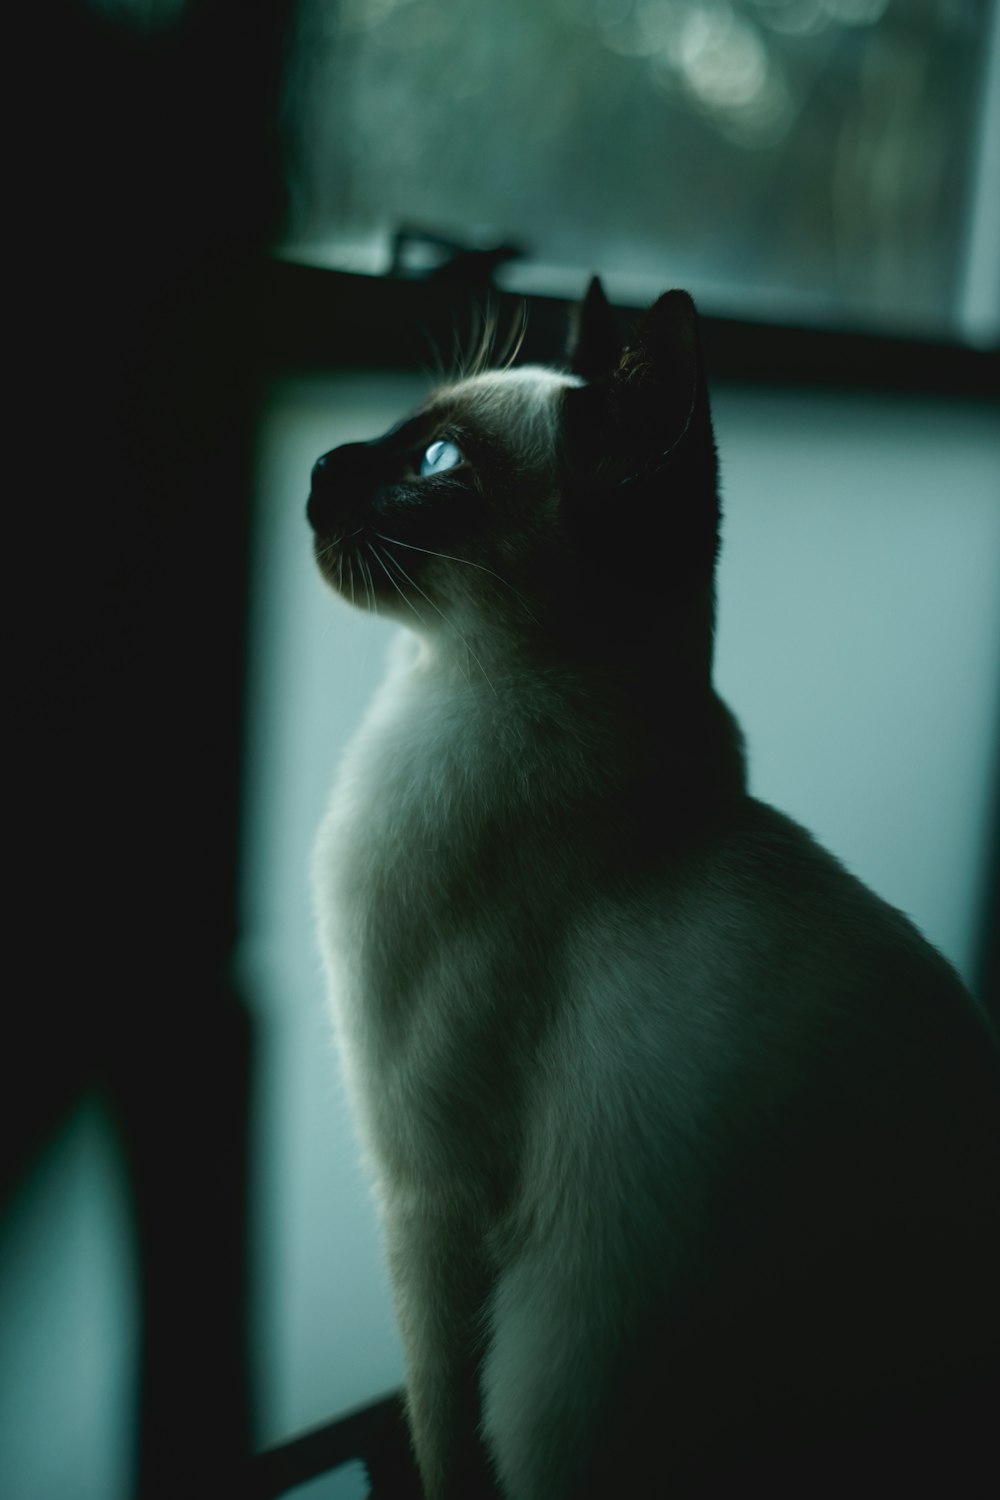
(682, 1139)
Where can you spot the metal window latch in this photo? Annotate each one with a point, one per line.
(426, 254)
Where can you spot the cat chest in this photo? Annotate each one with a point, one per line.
(436, 1055)
(440, 962)
(441, 981)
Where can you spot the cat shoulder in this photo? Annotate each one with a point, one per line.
(759, 942)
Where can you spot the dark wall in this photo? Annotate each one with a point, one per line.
(146, 189)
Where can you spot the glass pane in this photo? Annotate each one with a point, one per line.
(806, 159)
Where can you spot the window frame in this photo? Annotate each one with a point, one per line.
(316, 318)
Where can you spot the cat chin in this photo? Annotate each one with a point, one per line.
(356, 576)
(340, 567)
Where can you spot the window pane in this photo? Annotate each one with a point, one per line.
(803, 158)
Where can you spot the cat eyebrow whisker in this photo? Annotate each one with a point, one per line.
(484, 353)
(515, 338)
(414, 584)
(457, 356)
(450, 557)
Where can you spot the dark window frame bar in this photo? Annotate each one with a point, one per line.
(375, 1435)
(313, 318)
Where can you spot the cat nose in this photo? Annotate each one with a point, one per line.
(339, 466)
(336, 478)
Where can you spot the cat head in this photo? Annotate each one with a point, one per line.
(540, 506)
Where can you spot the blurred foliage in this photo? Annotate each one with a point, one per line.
(810, 154)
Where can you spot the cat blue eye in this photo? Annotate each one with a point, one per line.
(439, 458)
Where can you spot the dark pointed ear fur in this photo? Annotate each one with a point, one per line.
(658, 383)
(642, 437)
(594, 345)
(654, 403)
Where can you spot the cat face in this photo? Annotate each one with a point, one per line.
(470, 478)
(528, 499)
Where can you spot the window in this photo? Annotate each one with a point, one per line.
(808, 161)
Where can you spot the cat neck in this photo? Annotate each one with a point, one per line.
(647, 734)
(624, 650)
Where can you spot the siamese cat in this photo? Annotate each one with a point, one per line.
(686, 1145)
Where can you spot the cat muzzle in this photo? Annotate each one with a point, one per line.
(338, 479)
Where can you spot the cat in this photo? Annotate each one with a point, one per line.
(686, 1145)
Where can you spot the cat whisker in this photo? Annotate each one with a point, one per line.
(361, 577)
(450, 557)
(332, 548)
(381, 560)
(414, 584)
(369, 585)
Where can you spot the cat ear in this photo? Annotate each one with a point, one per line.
(594, 345)
(639, 445)
(658, 385)
(653, 410)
